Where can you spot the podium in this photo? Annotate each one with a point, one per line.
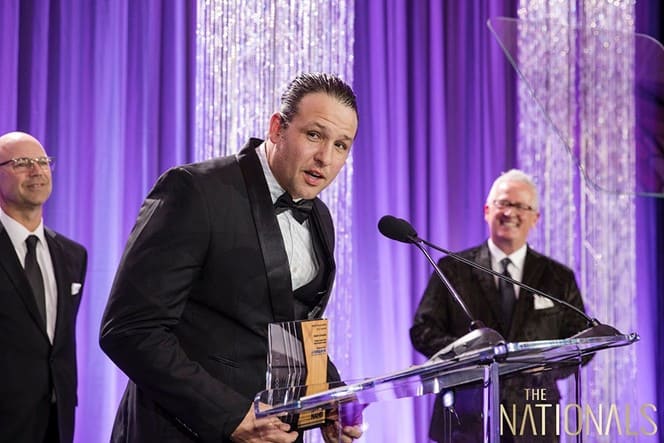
(469, 361)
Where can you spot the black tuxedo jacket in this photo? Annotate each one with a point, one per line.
(203, 274)
(30, 367)
(439, 321)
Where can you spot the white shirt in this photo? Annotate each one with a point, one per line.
(297, 237)
(18, 234)
(515, 268)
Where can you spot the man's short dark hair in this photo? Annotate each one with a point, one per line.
(312, 82)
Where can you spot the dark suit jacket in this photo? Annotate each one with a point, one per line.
(203, 274)
(30, 367)
(439, 320)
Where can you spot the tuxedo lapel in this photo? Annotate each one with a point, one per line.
(327, 238)
(16, 274)
(268, 232)
(63, 286)
(533, 269)
(488, 285)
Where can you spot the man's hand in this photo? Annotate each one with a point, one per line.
(348, 433)
(261, 430)
(347, 418)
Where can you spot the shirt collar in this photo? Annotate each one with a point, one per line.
(273, 185)
(518, 257)
(18, 233)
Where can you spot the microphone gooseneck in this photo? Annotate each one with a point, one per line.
(591, 321)
(400, 230)
(479, 337)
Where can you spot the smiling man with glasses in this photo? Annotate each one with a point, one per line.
(41, 277)
(511, 211)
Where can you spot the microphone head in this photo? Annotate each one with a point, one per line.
(397, 229)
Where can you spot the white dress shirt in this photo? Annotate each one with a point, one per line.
(297, 237)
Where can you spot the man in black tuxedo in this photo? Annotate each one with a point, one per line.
(41, 278)
(217, 253)
(511, 211)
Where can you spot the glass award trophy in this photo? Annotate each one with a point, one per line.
(297, 367)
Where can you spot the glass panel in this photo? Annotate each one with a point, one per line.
(588, 54)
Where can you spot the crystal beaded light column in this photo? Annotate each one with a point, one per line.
(607, 150)
(584, 82)
(246, 53)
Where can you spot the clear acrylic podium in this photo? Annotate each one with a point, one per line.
(466, 362)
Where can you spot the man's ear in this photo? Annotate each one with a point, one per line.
(537, 217)
(275, 127)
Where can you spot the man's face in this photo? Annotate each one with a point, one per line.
(311, 150)
(509, 226)
(24, 188)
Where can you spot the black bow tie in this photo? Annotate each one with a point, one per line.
(300, 210)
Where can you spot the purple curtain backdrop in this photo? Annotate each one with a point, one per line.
(108, 87)
(437, 124)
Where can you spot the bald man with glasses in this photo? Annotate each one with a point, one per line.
(41, 278)
(511, 211)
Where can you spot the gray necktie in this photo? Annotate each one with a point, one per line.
(507, 296)
(33, 272)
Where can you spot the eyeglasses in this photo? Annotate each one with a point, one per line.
(26, 163)
(504, 204)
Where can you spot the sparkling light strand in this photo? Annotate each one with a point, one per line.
(593, 108)
(607, 150)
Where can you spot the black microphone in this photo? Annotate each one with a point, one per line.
(480, 336)
(400, 230)
(397, 229)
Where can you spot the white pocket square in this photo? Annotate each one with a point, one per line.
(75, 288)
(542, 302)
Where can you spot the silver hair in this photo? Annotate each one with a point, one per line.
(514, 175)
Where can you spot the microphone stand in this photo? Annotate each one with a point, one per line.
(595, 328)
(474, 324)
(400, 230)
(479, 336)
